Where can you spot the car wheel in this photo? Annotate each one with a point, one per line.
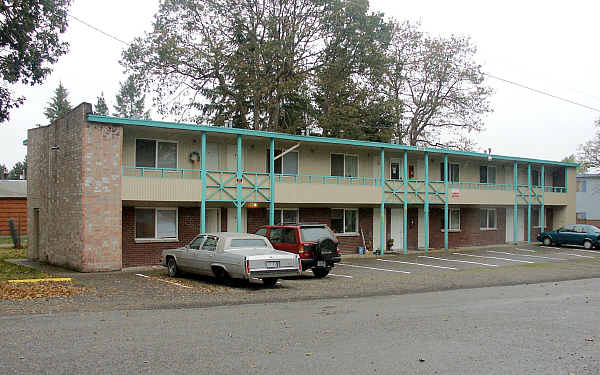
(587, 244)
(221, 275)
(547, 241)
(172, 267)
(320, 272)
(270, 281)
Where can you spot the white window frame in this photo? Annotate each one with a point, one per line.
(344, 155)
(158, 239)
(487, 227)
(282, 151)
(450, 229)
(287, 209)
(487, 171)
(344, 233)
(156, 151)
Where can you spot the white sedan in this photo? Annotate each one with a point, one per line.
(232, 255)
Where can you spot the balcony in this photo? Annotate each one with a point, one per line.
(185, 185)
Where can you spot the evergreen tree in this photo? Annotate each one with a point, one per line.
(101, 108)
(130, 101)
(59, 105)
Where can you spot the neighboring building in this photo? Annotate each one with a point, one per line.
(106, 193)
(13, 205)
(588, 199)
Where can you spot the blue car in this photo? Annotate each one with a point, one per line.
(584, 235)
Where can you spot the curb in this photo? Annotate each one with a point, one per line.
(49, 279)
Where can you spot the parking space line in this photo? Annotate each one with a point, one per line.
(371, 268)
(333, 274)
(459, 261)
(166, 281)
(417, 264)
(524, 255)
(531, 251)
(570, 248)
(481, 256)
(577, 255)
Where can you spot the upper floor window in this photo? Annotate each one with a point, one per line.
(581, 186)
(344, 165)
(155, 154)
(535, 177)
(453, 171)
(580, 216)
(287, 164)
(487, 174)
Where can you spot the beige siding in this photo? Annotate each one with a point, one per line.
(327, 194)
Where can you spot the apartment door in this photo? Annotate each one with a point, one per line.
(412, 235)
(213, 220)
(395, 169)
(397, 228)
(212, 156)
(520, 224)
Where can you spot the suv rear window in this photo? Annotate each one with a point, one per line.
(314, 234)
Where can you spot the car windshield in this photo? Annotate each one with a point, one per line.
(247, 242)
(315, 234)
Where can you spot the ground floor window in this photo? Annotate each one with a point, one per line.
(488, 218)
(286, 216)
(535, 217)
(453, 219)
(344, 220)
(156, 223)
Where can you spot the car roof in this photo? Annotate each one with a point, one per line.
(231, 235)
(295, 225)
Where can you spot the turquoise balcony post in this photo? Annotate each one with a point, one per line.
(239, 176)
(516, 189)
(382, 205)
(542, 213)
(426, 201)
(446, 202)
(203, 176)
(272, 179)
(528, 202)
(405, 213)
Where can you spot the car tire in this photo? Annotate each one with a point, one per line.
(221, 275)
(320, 272)
(587, 244)
(547, 241)
(270, 281)
(172, 267)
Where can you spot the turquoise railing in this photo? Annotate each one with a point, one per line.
(317, 179)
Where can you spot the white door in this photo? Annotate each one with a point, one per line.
(212, 156)
(232, 220)
(397, 227)
(213, 220)
(520, 224)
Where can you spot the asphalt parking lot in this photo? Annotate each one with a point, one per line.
(354, 277)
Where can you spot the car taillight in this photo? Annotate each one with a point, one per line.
(248, 266)
(337, 250)
(301, 249)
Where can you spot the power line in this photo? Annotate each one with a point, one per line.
(487, 74)
(98, 30)
(541, 92)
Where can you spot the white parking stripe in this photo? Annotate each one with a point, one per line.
(166, 281)
(371, 268)
(531, 251)
(524, 255)
(333, 274)
(459, 261)
(570, 248)
(577, 255)
(417, 264)
(481, 256)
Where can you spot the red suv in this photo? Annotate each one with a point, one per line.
(316, 244)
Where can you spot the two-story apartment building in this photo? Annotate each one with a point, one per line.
(588, 198)
(106, 193)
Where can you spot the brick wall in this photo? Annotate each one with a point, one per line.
(74, 179)
(16, 209)
(147, 253)
(548, 224)
(470, 233)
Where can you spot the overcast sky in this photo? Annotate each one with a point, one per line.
(548, 45)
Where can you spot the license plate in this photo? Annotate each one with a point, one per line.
(320, 263)
(272, 264)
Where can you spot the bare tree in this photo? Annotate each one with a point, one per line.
(589, 152)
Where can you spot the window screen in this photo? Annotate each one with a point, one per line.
(145, 153)
(337, 165)
(166, 223)
(167, 155)
(144, 223)
(351, 166)
(290, 163)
